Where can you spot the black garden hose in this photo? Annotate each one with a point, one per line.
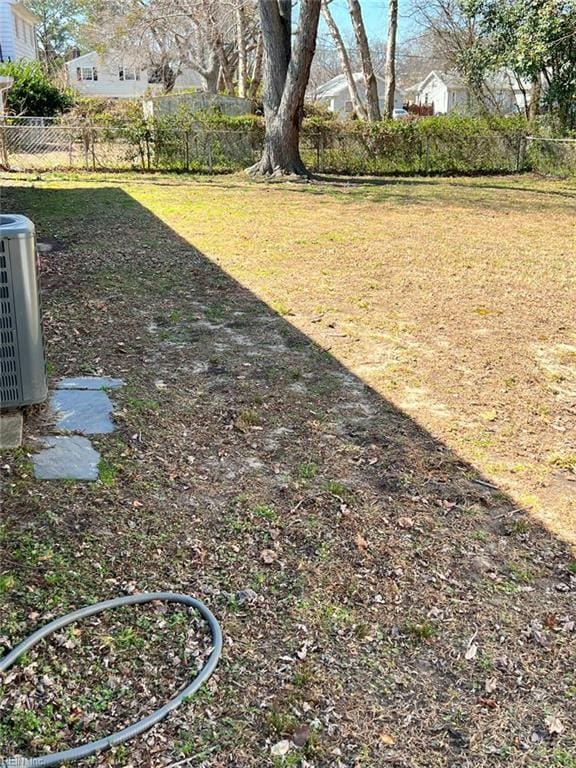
(94, 747)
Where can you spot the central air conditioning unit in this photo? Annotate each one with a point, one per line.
(22, 366)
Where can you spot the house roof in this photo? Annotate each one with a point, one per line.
(110, 58)
(503, 80)
(25, 13)
(85, 57)
(450, 80)
(339, 84)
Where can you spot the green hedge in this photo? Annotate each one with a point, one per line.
(200, 141)
(424, 145)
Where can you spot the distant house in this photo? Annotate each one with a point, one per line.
(116, 77)
(509, 93)
(335, 95)
(446, 93)
(17, 32)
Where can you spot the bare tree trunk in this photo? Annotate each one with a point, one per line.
(256, 78)
(168, 77)
(226, 73)
(241, 44)
(210, 74)
(367, 68)
(286, 74)
(390, 64)
(535, 95)
(357, 104)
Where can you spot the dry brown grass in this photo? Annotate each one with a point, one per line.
(455, 299)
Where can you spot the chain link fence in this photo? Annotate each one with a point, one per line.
(416, 153)
(43, 144)
(551, 156)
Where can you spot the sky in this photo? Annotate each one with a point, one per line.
(375, 15)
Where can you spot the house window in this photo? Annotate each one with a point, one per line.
(17, 26)
(128, 73)
(348, 106)
(86, 73)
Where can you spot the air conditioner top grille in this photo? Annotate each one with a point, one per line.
(15, 225)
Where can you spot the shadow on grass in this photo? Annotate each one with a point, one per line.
(454, 180)
(247, 456)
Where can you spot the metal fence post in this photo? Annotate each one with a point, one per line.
(147, 139)
(521, 153)
(93, 147)
(5, 159)
(86, 142)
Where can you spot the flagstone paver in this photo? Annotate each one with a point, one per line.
(86, 411)
(66, 458)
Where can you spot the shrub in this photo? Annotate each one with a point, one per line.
(424, 145)
(32, 92)
(198, 140)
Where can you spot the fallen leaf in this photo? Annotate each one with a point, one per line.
(281, 748)
(490, 685)
(550, 621)
(268, 556)
(301, 736)
(554, 724)
(360, 542)
(303, 652)
(471, 652)
(405, 522)
(385, 738)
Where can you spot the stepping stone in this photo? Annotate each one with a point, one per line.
(66, 458)
(86, 411)
(10, 430)
(90, 382)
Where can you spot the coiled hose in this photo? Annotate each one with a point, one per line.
(94, 747)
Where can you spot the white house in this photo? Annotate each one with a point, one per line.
(509, 93)
(446, 93)
(113, 76)
(17, 32)
(335, 95)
